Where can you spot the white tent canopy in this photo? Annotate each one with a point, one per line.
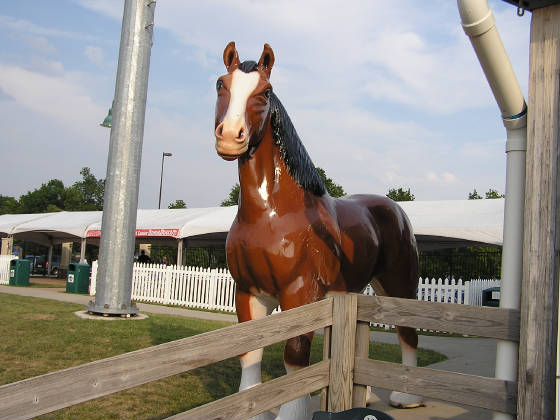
(435, 224)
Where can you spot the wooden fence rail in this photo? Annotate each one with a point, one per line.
(343, 374)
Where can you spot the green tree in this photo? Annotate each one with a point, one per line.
(233, 199)
(8, 205)
(491, 193)
(334, 189)
(49, 197)
(87, 194)
(474, 195)
(178, 204)
(400, 194)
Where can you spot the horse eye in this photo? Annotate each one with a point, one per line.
(267, 93)
(219, 85)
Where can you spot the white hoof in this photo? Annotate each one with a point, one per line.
(299, 409)
(402, 400)
(267, 415)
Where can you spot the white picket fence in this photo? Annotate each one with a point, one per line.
(5, 268)
(194, 287)
(206, 288)
(476, 287)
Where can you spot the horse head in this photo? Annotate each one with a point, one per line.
(243, 104)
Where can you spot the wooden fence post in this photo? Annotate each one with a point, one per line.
(326, 356)
(345, 308)
(359, 392)
(539, 298)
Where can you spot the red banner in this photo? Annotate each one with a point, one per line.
(141, 233)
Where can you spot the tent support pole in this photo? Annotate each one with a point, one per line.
(49, 260)
(83, 250)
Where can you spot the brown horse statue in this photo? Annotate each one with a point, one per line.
(291, 243)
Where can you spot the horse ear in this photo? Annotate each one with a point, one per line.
(231, 58)
(267, 60)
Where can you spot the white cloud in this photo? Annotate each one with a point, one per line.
(55, 97)
(25, 26)
(95, 55)
(40, 43)
(441, 178)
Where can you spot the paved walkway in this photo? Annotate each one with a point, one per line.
(474, 356)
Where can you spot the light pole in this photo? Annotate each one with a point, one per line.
(164, 154)
(116, 250)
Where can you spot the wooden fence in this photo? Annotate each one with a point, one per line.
(342, 376)
(206, 288)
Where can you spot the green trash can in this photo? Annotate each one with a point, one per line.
(491, 297)
(77, 280)
(19, 272)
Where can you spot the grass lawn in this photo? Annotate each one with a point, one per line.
(40, 336)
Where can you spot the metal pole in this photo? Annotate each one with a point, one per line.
(163, 155)
(116, 254)
(49, 260)
(83, 250)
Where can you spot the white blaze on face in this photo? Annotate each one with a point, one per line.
(242, 85)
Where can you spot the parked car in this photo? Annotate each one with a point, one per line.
(40, 265)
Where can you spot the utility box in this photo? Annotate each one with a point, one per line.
(77, 280)
(491, 297)
(19, 272)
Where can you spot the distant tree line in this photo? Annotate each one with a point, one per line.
(52, 196)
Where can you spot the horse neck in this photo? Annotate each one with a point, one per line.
(265, 183)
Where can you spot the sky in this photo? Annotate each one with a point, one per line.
(382, 94)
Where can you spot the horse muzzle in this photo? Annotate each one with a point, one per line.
(231, 142)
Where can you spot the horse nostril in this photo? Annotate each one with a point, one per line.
(241, 134)
(219, 130)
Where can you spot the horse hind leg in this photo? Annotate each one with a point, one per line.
(408, 340)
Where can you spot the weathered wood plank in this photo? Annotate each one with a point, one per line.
(260, 398)
(42, 394)
(539, 297)
(342, 352)
(359, 392)
(463, 319)
(490, 393)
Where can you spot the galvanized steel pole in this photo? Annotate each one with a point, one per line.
(116, 255)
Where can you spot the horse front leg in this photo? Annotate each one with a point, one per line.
(251, 307)
(296, 356)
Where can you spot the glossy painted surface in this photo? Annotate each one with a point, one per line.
(289, 244)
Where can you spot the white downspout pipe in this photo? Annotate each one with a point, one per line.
(479, 24)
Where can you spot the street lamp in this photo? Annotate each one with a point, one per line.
(108, 121)
(161, 177)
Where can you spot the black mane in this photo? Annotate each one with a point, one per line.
(292, 150)
(248, 66)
